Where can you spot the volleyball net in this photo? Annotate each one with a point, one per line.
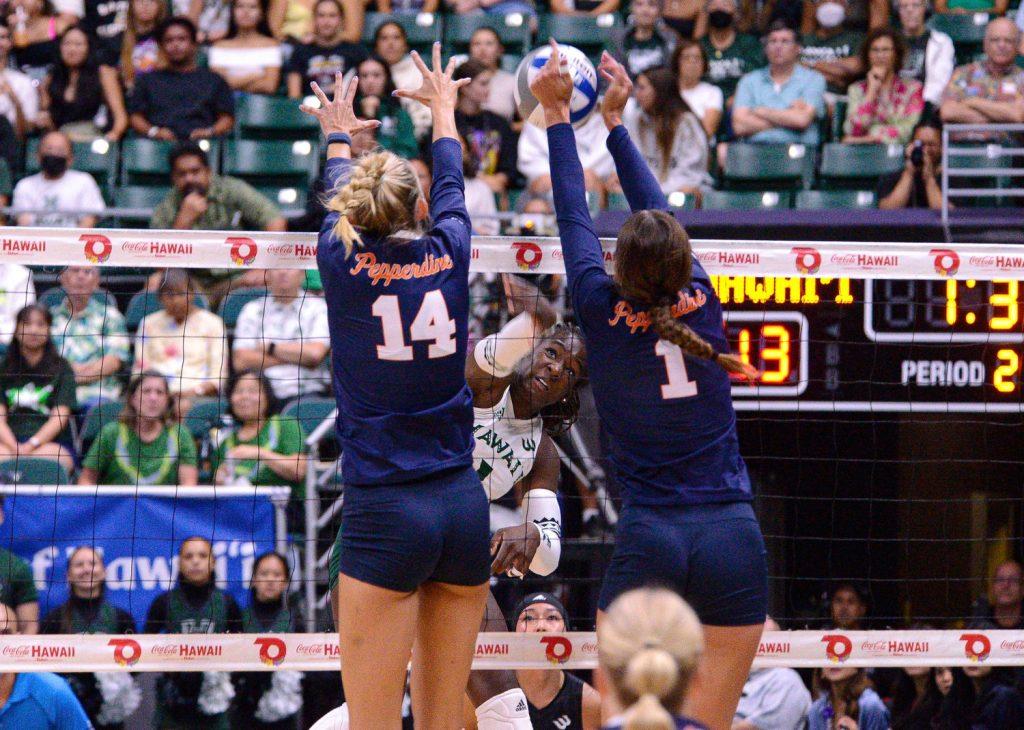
(883, 437)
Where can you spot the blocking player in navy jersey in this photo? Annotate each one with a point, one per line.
(413, 558)
(659, 367)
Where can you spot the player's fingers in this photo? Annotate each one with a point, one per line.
(436, 54)
(312, 111)
(495, 542)
(319, 93)
(607, 76)
(462, 82)
(449, 70)
(351, 90)
(419, 64)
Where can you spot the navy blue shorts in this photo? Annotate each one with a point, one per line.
(400, 536)
(712, 555)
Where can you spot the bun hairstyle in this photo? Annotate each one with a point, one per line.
(379, 199)
(649, 643)
(653, 262)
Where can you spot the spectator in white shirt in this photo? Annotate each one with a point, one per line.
(705, 100)
(591, 139)
(285, 335)
(772, 699)
(57, 188)
(19, 100)
(16, 291)
(930, 53)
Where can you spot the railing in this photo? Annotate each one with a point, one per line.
(992, 151)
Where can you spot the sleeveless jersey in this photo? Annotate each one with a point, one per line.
(283, 622)
(105, 621)
(210, 618)
(504, 447)
(565, 712)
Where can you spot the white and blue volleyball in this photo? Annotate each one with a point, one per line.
(584, 81)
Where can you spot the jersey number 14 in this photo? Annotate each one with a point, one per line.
(431, 323)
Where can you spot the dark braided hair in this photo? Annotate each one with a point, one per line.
(653, 262)
(560, 416)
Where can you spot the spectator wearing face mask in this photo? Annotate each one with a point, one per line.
(829, 48)
(57, 195)
(646, 41)
(731, 54)
(930, 53)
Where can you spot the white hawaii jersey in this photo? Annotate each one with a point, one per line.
(505, 447)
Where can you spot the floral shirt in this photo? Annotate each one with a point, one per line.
(891, 116)
(980, 80)
(95, 333)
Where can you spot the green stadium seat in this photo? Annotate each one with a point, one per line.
(767, 166)
(204, 414)
(973, 158)
(292, 198)
(31, 470)
(827, 199)
(588, 33)
(422, 29)
(260, 116)
(835, 132)
(236, 299)
(858, 166)
(146, 302)
(272, 163)
(513, 30)
(98, 417)
(309, 411)
(140, 197)
(967, 31)
(98, 158)
(746, 200)
(144, 161)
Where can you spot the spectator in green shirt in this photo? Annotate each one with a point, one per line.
(145, 447)
(731, 54)
(375, 101)
(830, 49)
(38, 388)
(17, 588)
(962, 7)
(646, 41)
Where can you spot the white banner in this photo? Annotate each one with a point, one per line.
(319, 652)
(227, 250)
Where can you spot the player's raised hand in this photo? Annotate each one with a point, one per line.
(437, 89)
(620, 88)
(513, 549)
(552, 86)
(338, 115)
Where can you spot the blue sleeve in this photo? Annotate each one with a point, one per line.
(584, 260)
(448, 193)
(744, 95)
(67, 711)
(875, 716)
(638, 182)
(335, 169)
(814, 93)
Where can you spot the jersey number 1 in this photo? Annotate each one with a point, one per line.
(431, 323)
(679, 385)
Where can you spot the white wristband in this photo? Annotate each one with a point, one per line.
(499, 353)
(540, 507)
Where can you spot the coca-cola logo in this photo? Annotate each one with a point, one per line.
(135, 247)
(97, 247)
(977, 647)
(315, 650)
(126, 651)
(947, 261)
(557, 649)
(280, 249)
(1015, 645)
(243, 250)
(981, 260)
(165, 650)
(837, 647)
(875, 646)
(808, 260)
(528, 255)
(272, 651)
(17, 652)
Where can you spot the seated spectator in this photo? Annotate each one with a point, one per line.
(485, 47)
(181, 100)
(790, 12)
(548, 690)
(667, 132)
(1002, 608)
(269, 611)
(997, 702)
(686, 17)
(990, 91)
(883, 108)
(919, 183)
(56, 188)
(19, 101)
(105, 22)
(489, 138)
(18, 588)
(847, 608)
(90, 334)
(479, 197)
(325, 55)
(137, 51)
(35, 26)
(962, 7)
(80, 97)
(392, 44)
(930, 53)
(292, 21)
(285, 335)
(195, 606)
(845, 699)
(730, 53)
(17, 290)
(591, 138)
(87, 611)
(37, 699)
(183, 343)
(584, 7)
(829, 48)
(374, 100)
(774, 699)
(495, 7)
(644, 630)
(249, 57)
(689, 64)
(645, 41)
(145, 446)
(38, 389)
(210, 17)
(782, 102)
(917, 700)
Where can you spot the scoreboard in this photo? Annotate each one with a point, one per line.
(876, 345)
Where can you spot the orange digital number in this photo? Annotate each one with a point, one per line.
(777, 355)
(1004, 377)
(1006, 300)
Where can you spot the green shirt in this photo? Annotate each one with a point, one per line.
(727, 66)
(843, 45)
(396, 133)
(5, 179)
(234, 205)
(93, 334)
(30, 397)
(280, 435)
(16, 584)
(120, 457)
(974, 5)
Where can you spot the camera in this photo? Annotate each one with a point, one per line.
(917, 154)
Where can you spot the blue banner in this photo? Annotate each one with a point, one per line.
(138, 536)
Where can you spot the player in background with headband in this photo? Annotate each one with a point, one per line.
(659, 367)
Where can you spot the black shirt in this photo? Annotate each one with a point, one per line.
(565, 712)
(181, 101)
(87, 102)
(104, 21)
(491, 141)
(320, 63)
(918, 196)
(87, 612)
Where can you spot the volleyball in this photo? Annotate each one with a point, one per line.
(584, 81)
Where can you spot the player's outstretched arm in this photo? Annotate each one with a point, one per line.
(638, 182)
(337, 116)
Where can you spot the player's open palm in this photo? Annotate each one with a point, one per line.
(513, 548)
(438, 88)
(339, 116)
(552, 86)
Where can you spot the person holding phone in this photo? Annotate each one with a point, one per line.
(918, 184)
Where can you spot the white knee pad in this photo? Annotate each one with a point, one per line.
(336, 719)
(507, 711)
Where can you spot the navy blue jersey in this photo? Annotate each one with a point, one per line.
(669, 416)
(398, 314)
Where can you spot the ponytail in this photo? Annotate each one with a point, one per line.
(651, 675)
(672, 330)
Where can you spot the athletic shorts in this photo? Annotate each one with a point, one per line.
(712, 555)
(400, 536)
